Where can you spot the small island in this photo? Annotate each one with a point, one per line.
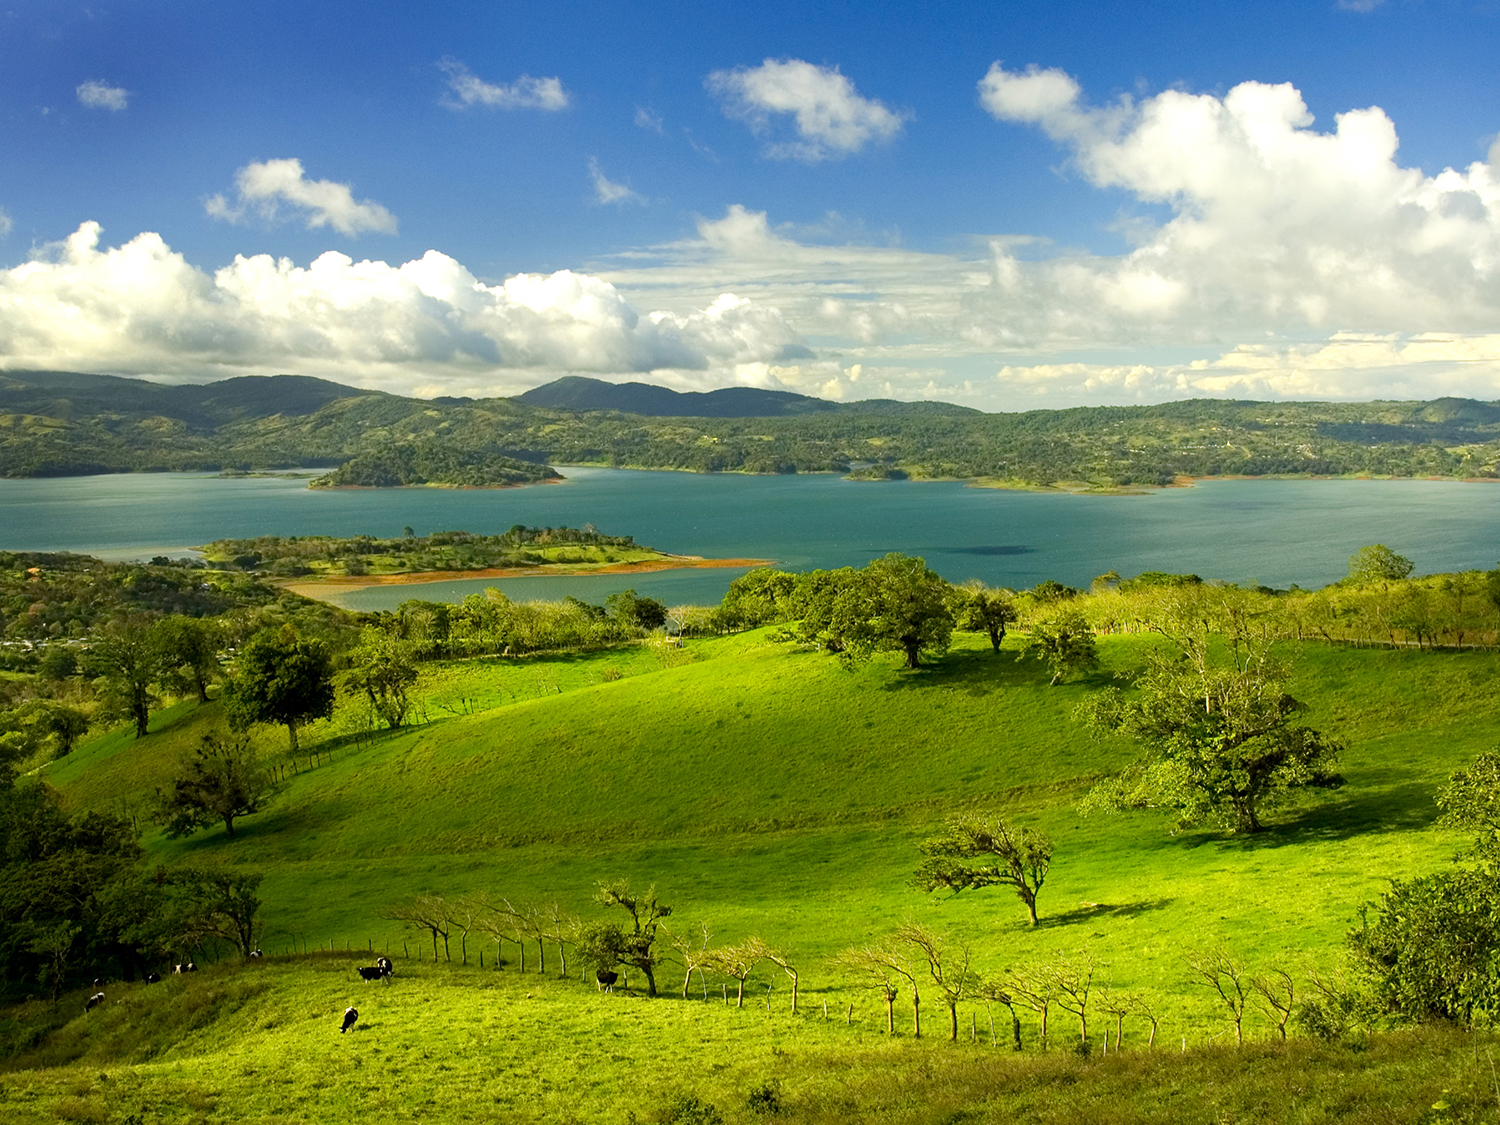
(431, 466)
(322, 566)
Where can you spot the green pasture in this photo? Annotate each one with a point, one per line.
(769, 791)
(260, 1044)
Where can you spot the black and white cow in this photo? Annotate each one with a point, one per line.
(93, 1002)
(606, 979)
(351, 1017)
(374, 972)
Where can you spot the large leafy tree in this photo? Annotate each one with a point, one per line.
(383, 669)
(281, 678)
(187, 653)
(1223, 738)
(127, 662)
(1378, 563)
(219, 783)
(1065, 643)
(895, 604)
(979, 609)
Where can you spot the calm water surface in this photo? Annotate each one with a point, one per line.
(1274, 532)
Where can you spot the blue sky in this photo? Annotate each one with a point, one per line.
(1010, 205)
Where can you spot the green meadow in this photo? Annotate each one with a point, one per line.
(764, 791)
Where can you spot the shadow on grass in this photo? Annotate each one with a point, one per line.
(1096, 911)
(976, 673)
(1394, 807)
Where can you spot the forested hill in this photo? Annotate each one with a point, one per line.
(67, 424)
(578, 393)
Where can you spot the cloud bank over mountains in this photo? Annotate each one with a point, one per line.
(427, 326)
(1292, 261)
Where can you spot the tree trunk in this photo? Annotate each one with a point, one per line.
(1028, 896)
(916, 1015)
(650, 981)
(229, 826)
(142, 713)
(953, 1023)
(913, 651)
(890, 1013)
(291, 731)
(739, 997)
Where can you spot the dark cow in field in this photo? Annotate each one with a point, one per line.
(153, 978)
(606, 979)
(93, 1002)
(385, 963)
(374, 972)
(351, 1017)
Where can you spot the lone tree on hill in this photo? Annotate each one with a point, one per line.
(1223, 738)
(976, 853)
(281, 679)
(979, 609)
(1065, 643)
(220, 782)
(1378, 563)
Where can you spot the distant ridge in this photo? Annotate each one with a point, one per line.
(578, 392)
(203, 405)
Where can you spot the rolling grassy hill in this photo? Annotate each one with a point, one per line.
(764, 791)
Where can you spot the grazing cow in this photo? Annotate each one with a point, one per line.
(374, 972)
(153, 978)
(256, 953)
(94, 1001)
(190, 968)
(98, 982)
(385, 963)
(606, 979)
(351, 1017)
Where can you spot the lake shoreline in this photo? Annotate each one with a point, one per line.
(330, 588)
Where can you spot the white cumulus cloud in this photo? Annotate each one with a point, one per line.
(141, 307)
(1275, 226)
(101, 95)
(525, 92)
(606, 191)
(5, 224)
(267, 186)
(830, 118)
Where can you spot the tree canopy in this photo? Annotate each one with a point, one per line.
(1223, 738)
(281, 678)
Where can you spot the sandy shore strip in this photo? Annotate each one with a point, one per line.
(328, 589)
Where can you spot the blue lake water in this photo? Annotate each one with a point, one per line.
(1277, 532)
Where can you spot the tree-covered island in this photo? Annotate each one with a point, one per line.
(524, 549)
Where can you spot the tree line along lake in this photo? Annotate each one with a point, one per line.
(1275, 532)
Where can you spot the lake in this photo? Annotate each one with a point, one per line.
(1277, 532)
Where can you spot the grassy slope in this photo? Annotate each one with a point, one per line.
(443, 1044)
(769, 791)
(764, 791)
